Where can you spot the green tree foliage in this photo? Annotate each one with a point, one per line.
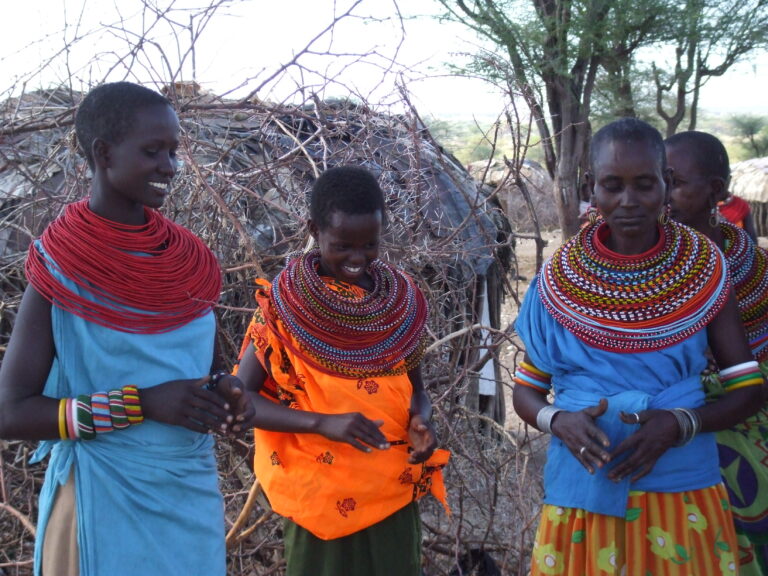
(753, 133)
(709, 36)
(550, 53)
(560, 56)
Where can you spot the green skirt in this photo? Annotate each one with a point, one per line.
(391, 547)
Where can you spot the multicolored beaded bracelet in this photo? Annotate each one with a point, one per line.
(530, 376)
(117, 410)
(86, 415)
(132, 404)
(741, 376)
(85, 418)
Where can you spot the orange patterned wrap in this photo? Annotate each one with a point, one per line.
(331, 488)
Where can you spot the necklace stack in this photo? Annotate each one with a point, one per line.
(748, 267)
(143, 279)
(381, 332)
(634, 303)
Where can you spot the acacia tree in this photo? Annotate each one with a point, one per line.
(554, 50)
(709, 36)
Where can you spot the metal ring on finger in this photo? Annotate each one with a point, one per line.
(637, 417)
(582, 450)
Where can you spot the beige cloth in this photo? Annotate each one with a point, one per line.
(61, 556)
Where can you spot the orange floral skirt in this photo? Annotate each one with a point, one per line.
(662, 534)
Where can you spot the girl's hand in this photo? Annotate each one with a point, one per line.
(186, 403)
(240, 402)
(586, 441)
(423, 439)
(658, 432)
(353, 428)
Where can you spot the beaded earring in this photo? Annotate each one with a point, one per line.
(664, 215)
(714, 217)
(592, 215)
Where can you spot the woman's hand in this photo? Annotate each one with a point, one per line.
(240, 401)
(353, 428)
(423, 439)
(186, 403)
(586, 441)
(658, 432)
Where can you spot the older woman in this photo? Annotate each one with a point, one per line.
(616, 324)
(701, 172)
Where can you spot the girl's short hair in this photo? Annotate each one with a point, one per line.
(346, 189)
(708, 152)
(628, 130)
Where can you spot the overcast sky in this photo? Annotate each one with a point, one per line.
(251, 39)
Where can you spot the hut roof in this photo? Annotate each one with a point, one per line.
(749, 179)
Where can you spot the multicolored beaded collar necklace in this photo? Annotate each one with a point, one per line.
(748, 267)
(381, 333)
(634, 303)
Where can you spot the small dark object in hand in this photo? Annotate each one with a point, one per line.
(214, 381)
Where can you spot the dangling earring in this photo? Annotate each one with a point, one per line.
(714, 217)
(664, 215)
(592, 215)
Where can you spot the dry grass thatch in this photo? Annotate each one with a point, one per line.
(246, 169)
(749, 180)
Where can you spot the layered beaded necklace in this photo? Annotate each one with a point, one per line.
(143, 279)
(748, 267)
(634, 303)
(380, 333)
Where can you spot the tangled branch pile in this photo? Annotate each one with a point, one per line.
(246, 168)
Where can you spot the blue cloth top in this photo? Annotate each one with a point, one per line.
(582, 375)
(147, 497)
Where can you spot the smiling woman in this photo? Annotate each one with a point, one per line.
(119, 294)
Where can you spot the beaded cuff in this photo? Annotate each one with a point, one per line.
(86, 416)
(741, 376)
(530, 376)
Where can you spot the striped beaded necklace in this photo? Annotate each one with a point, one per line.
(634, 303)
(342, 332)
(748, 267)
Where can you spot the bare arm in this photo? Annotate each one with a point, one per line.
(578, 430)
(729, 345)
(353, 428)
(421, 433)
(25, 413)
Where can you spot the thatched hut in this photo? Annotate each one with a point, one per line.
(749, 180)
(246, 169)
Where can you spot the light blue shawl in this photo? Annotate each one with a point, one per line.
(147, 497)
(582, 375)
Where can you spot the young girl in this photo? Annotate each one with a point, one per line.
(331, 360)
(701, 172)
(109, 358)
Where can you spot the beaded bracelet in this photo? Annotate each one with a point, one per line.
(102, 420)
(132, 404)
(85, 417)
(530, 376)
(741, 376)
(117, 410)
(544, 418)
(63, 419)
(213, 383)
(72, 430)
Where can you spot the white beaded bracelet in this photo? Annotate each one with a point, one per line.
(544, 418)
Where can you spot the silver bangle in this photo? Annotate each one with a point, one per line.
(689, 422)
(544, 418)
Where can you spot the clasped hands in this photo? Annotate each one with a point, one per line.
(657, 432)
